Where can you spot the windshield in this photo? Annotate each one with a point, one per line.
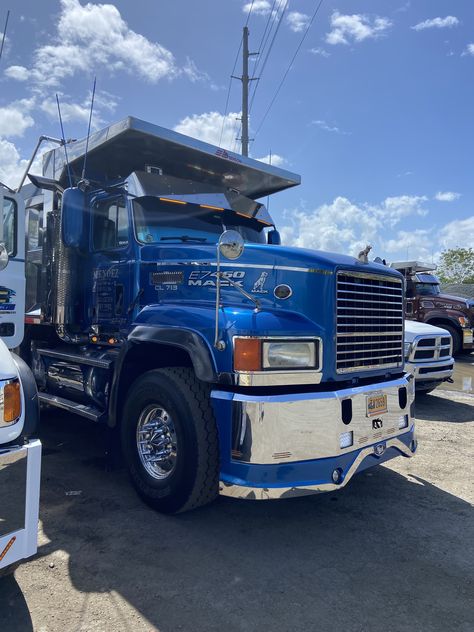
(167, 223)
(427, 289)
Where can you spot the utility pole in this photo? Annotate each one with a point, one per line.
(245, 91)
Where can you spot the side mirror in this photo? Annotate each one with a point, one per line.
(3, 256)
(273, 237)
(73, 219)
(231, 244)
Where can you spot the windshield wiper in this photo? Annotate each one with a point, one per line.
(184, 238)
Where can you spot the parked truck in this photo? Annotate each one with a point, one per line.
(161, 303)
(428, 355)
(20, 452)
(426, 303)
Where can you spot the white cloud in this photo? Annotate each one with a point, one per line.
(12, 166)
(355, 28)
(418, 242)
(469, 50)
(14, 119)
(20, 73)
(344, 226)
(297, 21)
(448, 22)
(260, 7)
(80, 111)
(447, 196)
(457, 234)
(274, 159)
(319, 51)
(91, 36)
(328, 128)
(208, 126)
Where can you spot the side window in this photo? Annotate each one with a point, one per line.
(110, 225)
(8, 225)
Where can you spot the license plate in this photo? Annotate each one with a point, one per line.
(376, 405)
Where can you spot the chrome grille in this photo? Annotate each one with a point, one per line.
(369, 327)
(430, 348)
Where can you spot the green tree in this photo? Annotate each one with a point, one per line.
(456, 266)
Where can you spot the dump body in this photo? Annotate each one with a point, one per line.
(296, 356)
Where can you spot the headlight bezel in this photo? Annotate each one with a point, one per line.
(260, 364)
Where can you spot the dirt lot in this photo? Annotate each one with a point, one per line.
(393, 551)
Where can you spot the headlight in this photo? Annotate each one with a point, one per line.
(10, 402)
(289, 355)
(255, 354)
(407, 346)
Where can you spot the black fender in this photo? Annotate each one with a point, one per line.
(184, 339)
(30, 392)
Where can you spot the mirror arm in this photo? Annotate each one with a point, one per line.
(258, 305)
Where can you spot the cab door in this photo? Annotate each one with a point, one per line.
(12, 269)
(110, 265)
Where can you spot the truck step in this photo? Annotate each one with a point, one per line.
(90, 412)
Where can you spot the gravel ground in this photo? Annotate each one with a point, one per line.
(393, 551)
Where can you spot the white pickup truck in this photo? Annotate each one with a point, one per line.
(20, 453)
(428, 355)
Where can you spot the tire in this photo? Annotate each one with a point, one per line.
(169, 440)
(457, 338)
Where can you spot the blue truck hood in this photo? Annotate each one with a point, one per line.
(179, 288)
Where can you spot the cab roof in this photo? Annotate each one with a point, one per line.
(132, 145)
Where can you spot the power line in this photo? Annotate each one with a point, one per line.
(273, 17)
(4, 33)
(230, 80)
(289, 67)
(280, 20)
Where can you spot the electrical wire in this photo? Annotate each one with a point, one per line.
(4, 33)
(230, 80)
(289, 67)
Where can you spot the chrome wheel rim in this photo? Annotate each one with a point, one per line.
(157, 443)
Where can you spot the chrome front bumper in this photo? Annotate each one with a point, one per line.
(280, 444)
(438, 370)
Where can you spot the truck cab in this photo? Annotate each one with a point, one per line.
(20, 452)
(426, 303)
(161, 303)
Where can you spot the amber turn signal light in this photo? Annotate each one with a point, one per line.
(247, 354)
(11, 402)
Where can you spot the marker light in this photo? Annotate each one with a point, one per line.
(213, 208)
(11, 401)
(346, 439)
(172, 201)
(247, 354)
(403, 421)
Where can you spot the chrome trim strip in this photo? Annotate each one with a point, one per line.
(243, 265)
(268, 493)
(73, 407)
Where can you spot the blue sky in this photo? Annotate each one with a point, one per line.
(376, 113)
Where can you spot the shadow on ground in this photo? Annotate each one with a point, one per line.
(384, 553)
(432, 407)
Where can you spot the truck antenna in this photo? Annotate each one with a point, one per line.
(64, 142)
(88, 131)
(4, 33)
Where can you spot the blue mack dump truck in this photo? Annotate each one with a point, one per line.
(161, 303)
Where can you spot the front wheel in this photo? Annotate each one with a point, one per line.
(169, 440)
